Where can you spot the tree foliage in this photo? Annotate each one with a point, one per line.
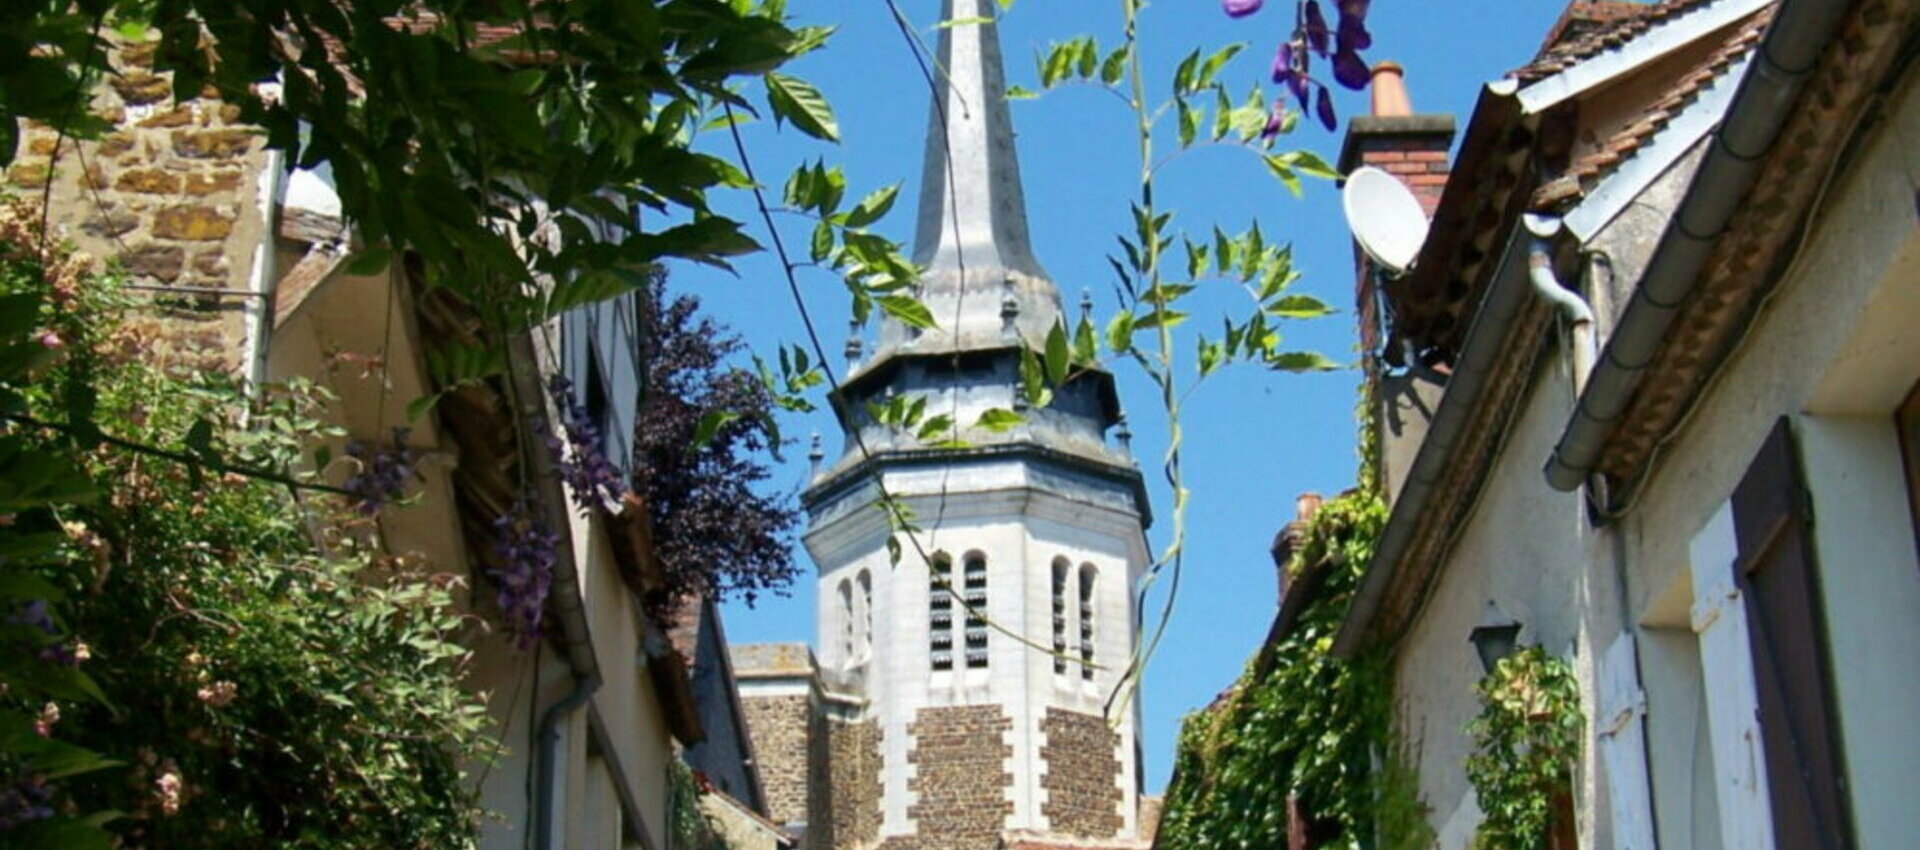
(703, 427)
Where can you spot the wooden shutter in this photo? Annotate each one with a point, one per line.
(1733, 705)
(1775, 573)
(1623, 745)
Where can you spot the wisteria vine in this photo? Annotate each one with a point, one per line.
(1340, 45)
(524, 549)
(581, 459)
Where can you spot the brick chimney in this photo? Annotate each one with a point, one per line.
(1292, 535)
(1410, 146)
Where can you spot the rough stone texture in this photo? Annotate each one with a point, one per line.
(1082, 777)
(780, 726)
(169, 191)
(855, 777)
(961, 784)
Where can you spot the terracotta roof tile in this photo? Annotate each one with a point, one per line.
(1589, 170)
(1589, 27)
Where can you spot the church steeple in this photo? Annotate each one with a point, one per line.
(982, 281)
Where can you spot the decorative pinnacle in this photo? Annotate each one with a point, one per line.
(853, 344)
(816, 453)
(1124, 435)
(1086, 303)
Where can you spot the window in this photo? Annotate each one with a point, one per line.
(1060, 570)
(940, 611)
(846, 622)
(1087, 576)
(1775, 572)
(976, 590)
(866, 614)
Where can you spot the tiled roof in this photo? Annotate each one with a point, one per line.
(1596, 165)
(1589, 27)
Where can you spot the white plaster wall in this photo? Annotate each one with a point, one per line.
(1836, 338)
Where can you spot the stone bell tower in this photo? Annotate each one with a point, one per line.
(977, 677)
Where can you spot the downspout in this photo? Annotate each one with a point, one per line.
(1782, 63)
(544, 817)
(1579, 315)
(265, 277)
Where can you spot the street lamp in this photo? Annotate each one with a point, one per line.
(1495, 637)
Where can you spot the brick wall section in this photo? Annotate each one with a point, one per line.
(855, 818)
(820, 789)
(171, 192)
(961, 779)
(780, 728)
(1082, 775)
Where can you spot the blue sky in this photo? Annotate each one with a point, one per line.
(1254, 439)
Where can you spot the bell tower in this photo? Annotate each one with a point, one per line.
(967, 683)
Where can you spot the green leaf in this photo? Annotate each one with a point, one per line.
(710, 425)
(1086, 343)
(1278, 166)
(1310, 164)
(1189, 123)
(1302, 361)
(798, 101)
(822, 243)
(1059, 356)
(963, 22)
(1021, 93)
(1298, 307)
(1183, 76)
(1089, 58)
(1211, 68)
(1120, 332)
(999, 420)
(907, 309)
(369, 262)
(873, 207)
(1115, 66)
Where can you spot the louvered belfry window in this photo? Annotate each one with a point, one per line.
(1087, 576)
(940, 611)
(1060, 570)
(976, 596)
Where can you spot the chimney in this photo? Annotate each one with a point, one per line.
(1292, 535)
(1410, 146)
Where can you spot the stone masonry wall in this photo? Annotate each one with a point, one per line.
(779, 726)
(961, 780)
(820, 798)
(1082, 777)
(856, 784)
(171, 193)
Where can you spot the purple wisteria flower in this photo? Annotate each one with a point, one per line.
(1340, 45)
(581, 459)
(25, 798)
(526, 552)
(35, 614)
(383, 474)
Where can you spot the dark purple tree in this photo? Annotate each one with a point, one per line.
(714, 531)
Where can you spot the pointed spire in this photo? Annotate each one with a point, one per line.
(972, 227)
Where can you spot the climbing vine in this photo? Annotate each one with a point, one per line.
(1526, 744)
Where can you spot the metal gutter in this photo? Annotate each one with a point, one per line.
(1785, 58)
(545, 819)
(264, 277)
(1505, 298)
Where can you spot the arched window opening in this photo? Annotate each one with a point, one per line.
(846, 621)
(866, 614)
(940, 611)
(1060, 570)
(976, 590)
(1087, 576)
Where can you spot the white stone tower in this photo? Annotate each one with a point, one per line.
(961, 736)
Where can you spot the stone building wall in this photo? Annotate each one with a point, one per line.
(820, 792)
(855, 779)
(961, 782)
(1082, 775)
(171, 194)
(780, 727)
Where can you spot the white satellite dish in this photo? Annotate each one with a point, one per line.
(1385, 217)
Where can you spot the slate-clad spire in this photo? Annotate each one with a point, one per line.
(972, 234)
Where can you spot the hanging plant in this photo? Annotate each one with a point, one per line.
(1526, 744)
